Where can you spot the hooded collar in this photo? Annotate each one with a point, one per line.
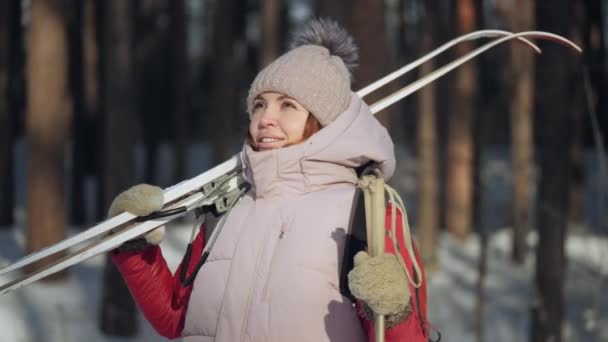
(328, 157)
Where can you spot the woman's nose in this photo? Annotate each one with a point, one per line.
(269, 116)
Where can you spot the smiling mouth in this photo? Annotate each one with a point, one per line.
(269, 140)
(267, 143)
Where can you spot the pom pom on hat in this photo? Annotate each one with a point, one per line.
(331, 35)
(316, 71)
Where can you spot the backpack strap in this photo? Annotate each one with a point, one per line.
(356, 241)
(356, 235)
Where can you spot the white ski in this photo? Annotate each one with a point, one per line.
(105, 244)
(203, 189)
(171, 194)
(417, 85)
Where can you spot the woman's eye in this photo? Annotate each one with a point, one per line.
(258, 105)
(289, 105)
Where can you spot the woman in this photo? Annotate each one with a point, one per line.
(272, 274)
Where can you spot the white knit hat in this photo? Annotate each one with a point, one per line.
(316, 72)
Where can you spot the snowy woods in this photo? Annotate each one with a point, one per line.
(501, 163)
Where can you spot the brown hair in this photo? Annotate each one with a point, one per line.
(311, 127)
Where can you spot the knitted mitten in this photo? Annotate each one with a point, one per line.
(380, 282)
(140, 200)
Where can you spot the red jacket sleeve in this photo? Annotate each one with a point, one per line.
(413, 329)
(159, 294)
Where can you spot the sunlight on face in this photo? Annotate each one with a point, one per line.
(277, 121)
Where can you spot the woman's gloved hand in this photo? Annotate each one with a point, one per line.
(380, 282)
(141, 200)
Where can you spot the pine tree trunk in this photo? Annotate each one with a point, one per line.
(271, 31)
(427, 146)
(77, 204)
(402, 50)
(92, 91)
(368, 28)
(153, 80)
(118, 312)
(84, 88)
(7, 137)
(481, 132)
(553, 77)
(595, 59)
(522, 61)
(444, 88)
(576, 195)
(90, 37)
(48, 124)
(181, 82)
(227, 100)
(595, 101)
(459, 196)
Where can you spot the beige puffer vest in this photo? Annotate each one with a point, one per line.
(273, 273)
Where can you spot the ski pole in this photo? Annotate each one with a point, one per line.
(375, 209)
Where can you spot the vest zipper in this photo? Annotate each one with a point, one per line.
(248, 305)
(271, 267)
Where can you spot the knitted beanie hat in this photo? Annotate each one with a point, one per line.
(316, 72)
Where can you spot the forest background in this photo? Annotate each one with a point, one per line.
(96, 96)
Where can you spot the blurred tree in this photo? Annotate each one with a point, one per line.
(493, 128)
(427, 146)
(118, 312)
(444, 88)
(7, 134)
(47, 124)
(337, 10)
(480, 143)
(522, 64)
(576, 196)
(366, 21)
(271, 31)
(553, 88)
(404, 39)
(595, 59)
(180, 85)
(84, 89)
(459, 192)
(152, 65)
(596, 102)
(595, 65)
(226, 119)
(200, 22)
(367, 25)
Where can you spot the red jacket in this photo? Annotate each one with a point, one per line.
(164, 301)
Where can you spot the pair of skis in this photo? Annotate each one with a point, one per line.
(219, 185)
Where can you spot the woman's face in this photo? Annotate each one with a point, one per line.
(277, 121)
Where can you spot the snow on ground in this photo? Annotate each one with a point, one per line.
(67, 311)
(509, 290)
